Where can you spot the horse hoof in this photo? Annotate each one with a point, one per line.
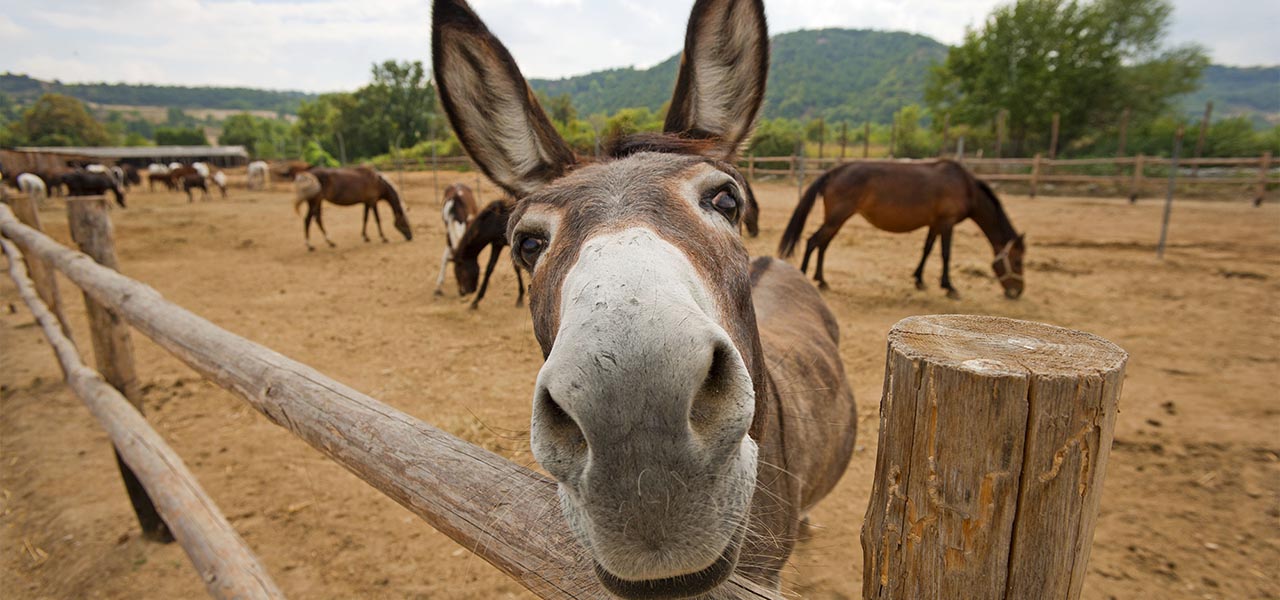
(952, 294)
(822, 285)
(332, 245)
(921, 286)
(311, 248)
(366, 240)
(386, 241)
(519, 303)
(473, 306)
(438, 293)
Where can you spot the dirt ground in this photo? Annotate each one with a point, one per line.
(1191, 507)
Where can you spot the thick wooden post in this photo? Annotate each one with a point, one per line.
(43, 275)
(112, 345)
(1035, 174)
(844, 139)
(1135, 186)
(1053, 136)
(1264, 170)
(994, 438)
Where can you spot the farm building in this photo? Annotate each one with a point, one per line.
(141, 156)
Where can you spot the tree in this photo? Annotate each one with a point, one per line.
(57, 120)
(180, 136)
(408, 99)
(911, 141)
(1087, 61)
(561, 109)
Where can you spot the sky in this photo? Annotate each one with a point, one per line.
(329, 45)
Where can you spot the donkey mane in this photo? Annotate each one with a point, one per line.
(626, 145)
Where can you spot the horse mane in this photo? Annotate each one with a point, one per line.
(392, 194)
(1002, 218)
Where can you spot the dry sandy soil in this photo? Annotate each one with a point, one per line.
(1190, 508)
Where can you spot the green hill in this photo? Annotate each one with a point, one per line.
(26, 89)
(842, 74)
(1238, 91)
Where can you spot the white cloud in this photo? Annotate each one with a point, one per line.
(330, 44)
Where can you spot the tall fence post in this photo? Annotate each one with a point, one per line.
(799, 170)
(1035, 174)
(994, 439)
(1053, 136)
(42, 275)
(1264, 171)
(1204, 131)
(1135, 185)
(751, 167)
(112, 345)
(1173, 186)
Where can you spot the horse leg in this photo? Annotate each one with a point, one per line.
(364, 227)
(519, 286)
(946, 264)
(306, 229)
(928, 247)
(819, 242)
(320, 224)
(444, 264)
(377, 220)
(494, 250)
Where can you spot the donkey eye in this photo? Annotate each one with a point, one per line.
(529, 249)
(726, 203)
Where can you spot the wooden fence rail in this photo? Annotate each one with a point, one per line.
(226, 565)
(504, 513)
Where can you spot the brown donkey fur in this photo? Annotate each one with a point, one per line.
(902, 197)
(693, 406)
(347, 187)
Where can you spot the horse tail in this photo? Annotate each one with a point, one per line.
(796, 225)
(305, 187)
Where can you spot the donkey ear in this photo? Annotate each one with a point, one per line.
(489, 104)
(722, 73)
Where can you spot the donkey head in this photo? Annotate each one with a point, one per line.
(646, 407)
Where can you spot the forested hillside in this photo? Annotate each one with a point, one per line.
(25, 89)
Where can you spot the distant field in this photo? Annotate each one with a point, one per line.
(160, 114)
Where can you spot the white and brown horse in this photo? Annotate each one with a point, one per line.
(692, 405)
(458, 211)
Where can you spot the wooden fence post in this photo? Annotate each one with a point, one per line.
(112, 346)
(1124, 135)
(43, 275)
(1264, 171)
(1000, 118)
(1204, 131)
(1035, 174)
(1053, 136)
(751, 167)
(1135, 186)
(994, 438)
(1173, 185)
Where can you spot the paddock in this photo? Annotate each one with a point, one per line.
(1185, 511)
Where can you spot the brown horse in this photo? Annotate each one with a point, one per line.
(902, 197)
(459, 209)
(488, 229)
(346, 187)
(693, 406)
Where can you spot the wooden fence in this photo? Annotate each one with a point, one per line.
(508, 515)
(1129, 175)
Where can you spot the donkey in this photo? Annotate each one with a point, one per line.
(902, 197)
(348, 186)
(692, 405)
(488, 229)
(457, 213)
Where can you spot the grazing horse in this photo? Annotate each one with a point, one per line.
(258, 175)
(33, 186)
(692, 406)
(902, 197)
(348, 186)
(220, 179)
(488, 229)
(158, 172)
(86, 183)
(191, 181)
(457, 213)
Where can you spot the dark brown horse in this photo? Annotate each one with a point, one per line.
(84, 183)
(458, 210)
(902, 197)
(347, 187)
(192, 181)
(489, 228)
(692, 405)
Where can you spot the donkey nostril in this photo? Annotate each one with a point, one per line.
(558, 425)
(715, 396)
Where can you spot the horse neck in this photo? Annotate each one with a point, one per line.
(992, 220)
(481, 233)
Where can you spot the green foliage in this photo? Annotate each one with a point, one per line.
(911, 140)
(57, 120)
(632, 120)
(396, 107)
(136, 139)
(316, 156)
(776, 137)
(26, 88)
(265, 138)
(1087, 61)
(180, 136)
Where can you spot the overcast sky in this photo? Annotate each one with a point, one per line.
(325, 45)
